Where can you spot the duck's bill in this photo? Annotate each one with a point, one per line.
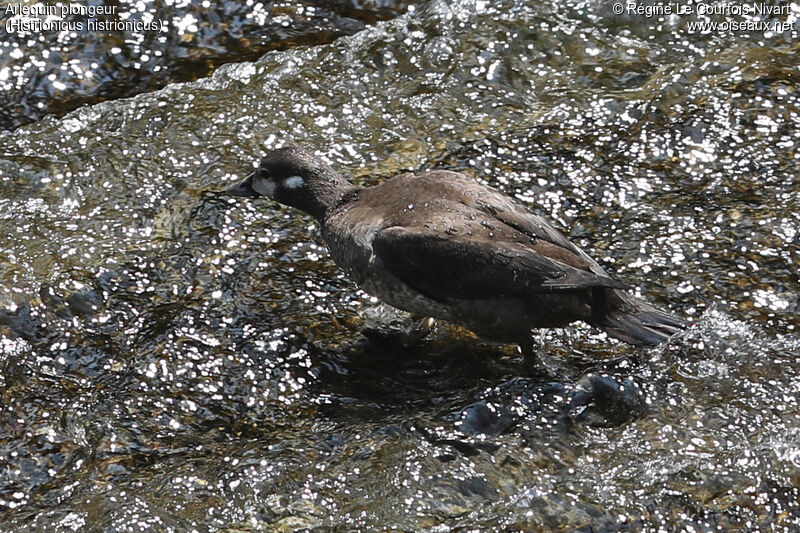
(243, 188)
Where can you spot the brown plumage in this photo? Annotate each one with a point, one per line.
(441, 244)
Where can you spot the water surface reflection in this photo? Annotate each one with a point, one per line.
(173, 360)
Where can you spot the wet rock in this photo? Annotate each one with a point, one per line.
(20, 322)
(552, 512)
(486, 418)
(603, 400)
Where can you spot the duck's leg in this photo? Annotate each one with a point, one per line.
(527, 347)
(535, 359)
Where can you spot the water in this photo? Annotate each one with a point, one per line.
(177, 360)
(55, 57)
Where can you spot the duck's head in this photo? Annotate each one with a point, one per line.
(294, 177)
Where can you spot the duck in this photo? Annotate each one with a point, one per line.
(440, 244)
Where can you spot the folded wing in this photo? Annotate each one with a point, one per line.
(447, 267)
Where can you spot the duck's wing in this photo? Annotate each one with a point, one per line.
(457, 267)
(516, 216)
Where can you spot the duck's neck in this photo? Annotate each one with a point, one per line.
(328, 192)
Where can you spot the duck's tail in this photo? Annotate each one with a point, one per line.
(632, 320)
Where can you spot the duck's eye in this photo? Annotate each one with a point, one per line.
(293, 182)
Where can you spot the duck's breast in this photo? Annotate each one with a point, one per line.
(349, 232)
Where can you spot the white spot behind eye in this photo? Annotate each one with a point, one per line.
(293, 182)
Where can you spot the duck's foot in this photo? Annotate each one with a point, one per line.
(384, 323)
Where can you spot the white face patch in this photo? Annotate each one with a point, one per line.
(265, 187)
(293, 182)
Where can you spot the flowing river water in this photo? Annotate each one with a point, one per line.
(175, 360)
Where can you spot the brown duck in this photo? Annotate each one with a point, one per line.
(441, 244)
